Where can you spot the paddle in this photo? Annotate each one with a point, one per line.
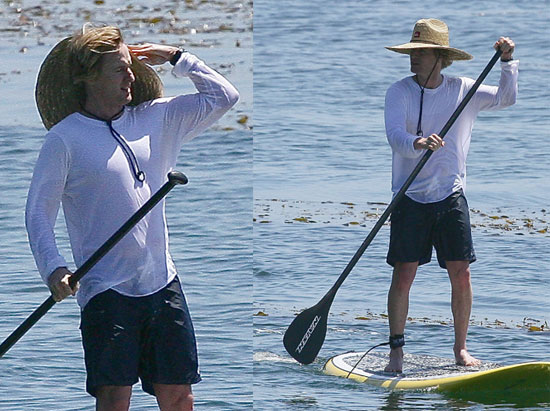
(305, 335)
(174, 178)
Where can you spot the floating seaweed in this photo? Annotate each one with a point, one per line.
(350, 214)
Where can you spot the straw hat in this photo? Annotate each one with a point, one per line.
(57, 96)
(431, 33)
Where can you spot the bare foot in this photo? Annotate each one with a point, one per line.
(464, 358)
(396, 361)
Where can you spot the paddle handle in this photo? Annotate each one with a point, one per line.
(174, 178)
(411, 178)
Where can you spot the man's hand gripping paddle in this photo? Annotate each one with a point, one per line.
(305, 336)
(174, 178)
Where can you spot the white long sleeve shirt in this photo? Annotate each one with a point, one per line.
(445, 171)
(83, 167)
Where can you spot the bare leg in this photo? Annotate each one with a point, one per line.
(113, 398)
(174, 397)
(461, 304)
(398, 308)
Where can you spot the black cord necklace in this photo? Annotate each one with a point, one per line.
(130, 155)
(419, 124)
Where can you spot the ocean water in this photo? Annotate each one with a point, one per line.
(209, 219)
(314, 183)
(322, 169)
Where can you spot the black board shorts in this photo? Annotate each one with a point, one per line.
(150, 338)
(416, 228)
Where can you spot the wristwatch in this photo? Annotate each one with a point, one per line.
(176, 56)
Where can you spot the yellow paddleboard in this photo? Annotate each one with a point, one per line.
(428, 372)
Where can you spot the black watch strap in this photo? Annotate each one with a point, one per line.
(176, 57)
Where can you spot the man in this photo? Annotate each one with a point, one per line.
(111, 144)
(434, 211)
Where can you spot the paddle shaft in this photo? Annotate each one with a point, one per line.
(411, 178)
(174, 178)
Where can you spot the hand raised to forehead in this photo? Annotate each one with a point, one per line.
(153, 54)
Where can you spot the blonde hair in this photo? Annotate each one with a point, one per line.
(85, 50)
(87, 47)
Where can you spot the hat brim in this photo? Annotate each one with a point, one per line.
(57, 96)
(454, 54)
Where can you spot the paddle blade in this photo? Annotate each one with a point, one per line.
(305, 335)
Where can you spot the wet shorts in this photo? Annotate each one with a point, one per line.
(150, 338)
(417, 227)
